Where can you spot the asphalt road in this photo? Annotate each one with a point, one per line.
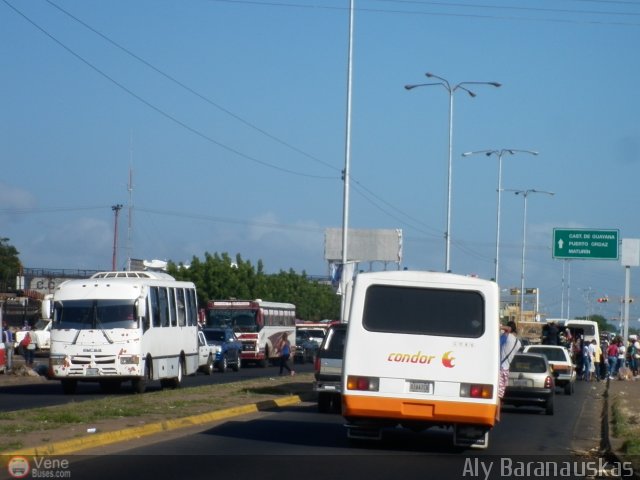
(30, 395)
(298, 441)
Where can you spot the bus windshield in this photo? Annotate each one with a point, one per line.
(239, 320)
(94, 314)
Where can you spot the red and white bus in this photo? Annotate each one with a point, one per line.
(259, 325)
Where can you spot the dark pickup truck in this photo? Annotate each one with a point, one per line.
(328, 369)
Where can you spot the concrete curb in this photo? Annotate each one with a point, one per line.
(94, 440)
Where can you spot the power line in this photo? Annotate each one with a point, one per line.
(192, 91)
(160, 111)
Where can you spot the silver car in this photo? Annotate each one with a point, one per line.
(531, 382)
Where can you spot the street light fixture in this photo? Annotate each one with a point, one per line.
(525, 194)
(451, 89)
(499, 154)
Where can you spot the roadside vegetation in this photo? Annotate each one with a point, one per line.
(34, 427)
(625, 425)
(219, 277)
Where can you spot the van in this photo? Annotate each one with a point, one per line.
(588, 329)
(422, 351)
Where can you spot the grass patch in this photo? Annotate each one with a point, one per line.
(150, 407)
(618, 419)
(625, 426)
(15, 445)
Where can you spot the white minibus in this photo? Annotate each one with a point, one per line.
(124, 326)
(422, 350)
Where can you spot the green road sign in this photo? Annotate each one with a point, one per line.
(585, 244)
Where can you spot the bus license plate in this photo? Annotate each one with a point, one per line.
(92, 372)
(421, 387)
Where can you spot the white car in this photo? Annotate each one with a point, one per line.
(560, 360)
(40, 335)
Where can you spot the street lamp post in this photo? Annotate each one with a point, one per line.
(451, 89)
(525, 194)
(499, 154)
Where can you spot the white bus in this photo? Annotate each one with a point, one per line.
(422, 350)
(259, 325)
(119, 326)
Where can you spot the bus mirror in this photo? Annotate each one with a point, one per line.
(141, 307)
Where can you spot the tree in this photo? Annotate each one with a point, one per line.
(218, 277)
(9, 264)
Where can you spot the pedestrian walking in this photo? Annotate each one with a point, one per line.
(587, 361)
(612, 356)
(622, 355)
(284, 352)
(7, 339)
(28, 345)
(596, 352)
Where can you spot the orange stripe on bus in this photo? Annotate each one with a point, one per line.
(405, 409)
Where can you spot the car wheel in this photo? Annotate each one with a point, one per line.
(548, 410)
(324, 402)
(568, 388)
(236, 366)
(223, 364)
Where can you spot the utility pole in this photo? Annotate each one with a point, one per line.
(116, 210)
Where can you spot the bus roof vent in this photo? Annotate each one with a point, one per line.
(132, 274)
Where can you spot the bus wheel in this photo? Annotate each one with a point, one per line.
(209, 368)
(263, 363)
(69, 386)
(177, 381)
(140, 384)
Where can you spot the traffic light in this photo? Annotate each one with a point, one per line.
(603, 300)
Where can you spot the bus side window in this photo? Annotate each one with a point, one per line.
(193, 307)
(172, 306)
(181, 308)
(154, 307)
(163, 302)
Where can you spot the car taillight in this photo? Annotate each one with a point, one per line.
(476, 390)
(316, 364)
(548, 382)
(371, 384)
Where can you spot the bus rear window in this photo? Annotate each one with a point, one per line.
(424, 311)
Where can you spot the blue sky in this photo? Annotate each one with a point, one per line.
(232, 114)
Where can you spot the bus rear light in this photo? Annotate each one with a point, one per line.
(476, 390)
(371, 384)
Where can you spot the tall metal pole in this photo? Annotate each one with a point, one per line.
(525, 194)
(569, 290)
(116, 209)
(451, 90)
(524, 243)
(447, 233)
(627, 292)
(346, 173)
(499, 154)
